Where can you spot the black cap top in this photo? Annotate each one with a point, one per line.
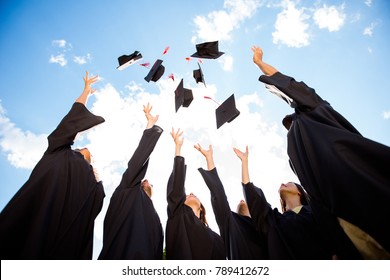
(198, 75)
(156, 72)
(183, 96)
(226, 112)
(127, 60)
(207, 50)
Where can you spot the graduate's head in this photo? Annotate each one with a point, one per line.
(291, 191)
(242, 208)
(198, 208)
(287, 121)
(85, 152)
(147, 187)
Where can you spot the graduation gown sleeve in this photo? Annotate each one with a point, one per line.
(77, 120)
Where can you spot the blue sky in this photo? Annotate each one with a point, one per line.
(340, 48)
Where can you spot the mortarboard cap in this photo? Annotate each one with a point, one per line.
(183, 96)
(198, 75)
(127, 60)
(156, 72)
(207, 50)
(226, 112)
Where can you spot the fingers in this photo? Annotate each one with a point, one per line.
(147, 108)
(177, 134)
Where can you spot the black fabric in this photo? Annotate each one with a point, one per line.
(242, 240)
(132, 227)
(186, 236)
(289, 235)
(345, 174)
(52, 215)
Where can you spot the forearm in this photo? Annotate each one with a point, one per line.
(210, 163)
(245, 171)
(177, 150)
(83, 97)
(266, 68)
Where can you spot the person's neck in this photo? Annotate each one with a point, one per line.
(195, 209)
(292, 202)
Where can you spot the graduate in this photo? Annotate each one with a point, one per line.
(242, 240)
(346, 175)
(52, 215)
(188, 236)
(132, 227)
(292, 234)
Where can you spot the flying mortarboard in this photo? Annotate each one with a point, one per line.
(156, 72)
(127, 60)
(198, 75)
(226, 112)
(183, 96)
(207, 50)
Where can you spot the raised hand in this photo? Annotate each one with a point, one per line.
(242, 155)
(151, 119)
(178, 139)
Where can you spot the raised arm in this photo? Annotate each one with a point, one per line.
(219, 200)
(137, 165)
(243, 156)
(175, 189)
(88, 90)
(258, 60)
(78, 119)
(257, 203)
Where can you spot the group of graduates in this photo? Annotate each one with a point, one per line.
(339, 212)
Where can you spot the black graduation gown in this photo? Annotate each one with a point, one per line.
(52, 215)
(186, 236)
(242, 240)
(345, 174)
(289, 235)
(132, 227)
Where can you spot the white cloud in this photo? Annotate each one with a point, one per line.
(227, 62)
(291, 28)
(59, 43)
(369, 30)
(23, 149)
(82, 59)
(386, 115)
(332, 17)
(59, 59)
(368, 3)
(218, 25)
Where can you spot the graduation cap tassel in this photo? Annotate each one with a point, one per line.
(208, 97)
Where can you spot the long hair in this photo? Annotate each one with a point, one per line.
(202, 215)
(304, 198)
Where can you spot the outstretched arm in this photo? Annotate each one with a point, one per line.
(87, 88)
(243, 156)
(137, 165)
(258, 60)
(175, 188)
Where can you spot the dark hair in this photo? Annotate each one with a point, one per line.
(304, 198)
(202, 215)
